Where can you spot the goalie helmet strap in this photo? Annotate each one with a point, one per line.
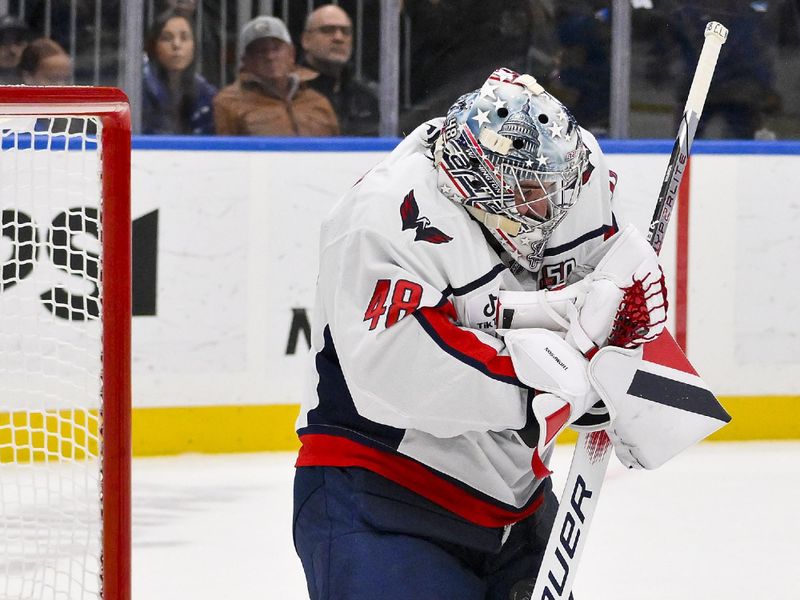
(493, 221)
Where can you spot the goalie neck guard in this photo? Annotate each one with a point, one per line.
(513, 156)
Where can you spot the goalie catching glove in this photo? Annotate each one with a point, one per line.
(621, 302)
(626, 297)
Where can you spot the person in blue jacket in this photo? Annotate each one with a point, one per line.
(176, 99)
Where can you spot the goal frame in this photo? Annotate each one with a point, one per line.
(111, 107)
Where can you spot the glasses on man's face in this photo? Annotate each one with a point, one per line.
(345, 30)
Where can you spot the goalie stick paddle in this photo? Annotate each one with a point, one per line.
(592, 450)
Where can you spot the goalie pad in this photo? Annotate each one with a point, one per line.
(659, 405)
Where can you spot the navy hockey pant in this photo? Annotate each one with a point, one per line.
(363, 537)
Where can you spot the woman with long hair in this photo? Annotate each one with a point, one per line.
(176, 99)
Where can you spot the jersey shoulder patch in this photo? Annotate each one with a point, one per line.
(411, 219)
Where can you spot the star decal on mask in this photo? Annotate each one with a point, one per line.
(529, 163)
(562, 116)
(487, 91)
(542, 160)
(499, 104)
(482, 117)
(555, 131)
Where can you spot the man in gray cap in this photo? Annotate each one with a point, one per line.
(267, 97)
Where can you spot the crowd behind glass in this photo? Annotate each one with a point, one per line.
(293, 74)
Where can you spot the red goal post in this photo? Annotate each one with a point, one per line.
(65, 349)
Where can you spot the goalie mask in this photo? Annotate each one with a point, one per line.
(514, 157)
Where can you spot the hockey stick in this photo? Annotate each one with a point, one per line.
(590, 459)
(716, 34)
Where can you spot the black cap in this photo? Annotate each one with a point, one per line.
(11, 26)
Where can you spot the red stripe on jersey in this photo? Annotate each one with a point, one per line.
(664, 351)
(610, 232)
(462, 341)
(540, 470)
(555, 422)
(320, 450)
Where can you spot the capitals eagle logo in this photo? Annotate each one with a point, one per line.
(409, 213)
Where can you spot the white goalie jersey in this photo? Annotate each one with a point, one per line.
(407, 377)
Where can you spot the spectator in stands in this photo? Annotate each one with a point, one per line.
(211, 58)
(327, 42)
(14, 36)
(268, 97)
(45, 62)
(188, 6)
(175, 98)
(71, 24)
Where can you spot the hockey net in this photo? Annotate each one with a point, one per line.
(64, 344)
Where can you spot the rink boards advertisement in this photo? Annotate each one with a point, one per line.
(225, 264)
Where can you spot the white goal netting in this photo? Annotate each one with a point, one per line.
(50, 358)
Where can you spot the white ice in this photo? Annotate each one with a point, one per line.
(719, 522)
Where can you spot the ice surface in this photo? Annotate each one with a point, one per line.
(719, 522)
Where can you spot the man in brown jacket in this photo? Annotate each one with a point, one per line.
(268, 98)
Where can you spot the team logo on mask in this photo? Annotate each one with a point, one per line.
(424, 232)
